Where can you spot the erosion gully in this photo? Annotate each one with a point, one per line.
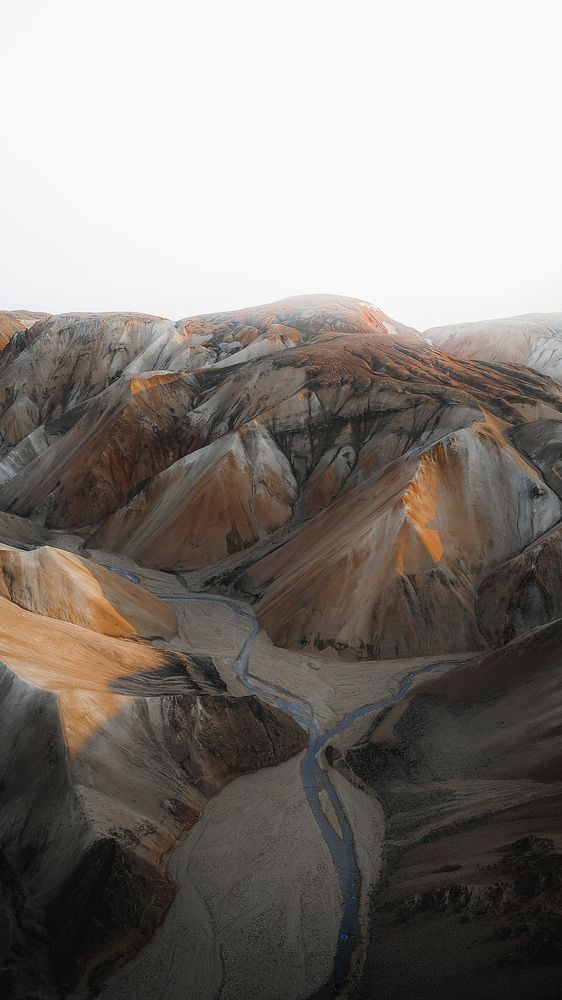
(315, 777)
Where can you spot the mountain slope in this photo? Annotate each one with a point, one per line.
(110, 746)
(469, 769)
(534, 340)
(219, 500)
(392, 567)
(377, 497)
(336, 447)
(12, 323)
(77, 469)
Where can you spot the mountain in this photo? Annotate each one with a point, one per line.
(226, 496)
(82, 465)
(469, 768)
(12, 323)
(350, 439)
(534, 340)
(239, 537)
(61, 361)
(101, 767)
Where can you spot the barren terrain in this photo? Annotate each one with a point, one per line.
(280, 599)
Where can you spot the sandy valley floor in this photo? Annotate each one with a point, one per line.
(258, 905)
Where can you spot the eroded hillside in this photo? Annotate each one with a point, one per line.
(278, 452)
(386, 503)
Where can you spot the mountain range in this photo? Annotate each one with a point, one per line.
(377, 500)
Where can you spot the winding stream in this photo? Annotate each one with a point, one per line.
(314, 776)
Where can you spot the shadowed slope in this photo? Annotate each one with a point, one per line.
(79, 468)
(219, 500)
(12, 323)
(469, 770)
(524, 592)
(109, 749)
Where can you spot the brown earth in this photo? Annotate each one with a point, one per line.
(469, 770)
(111, 745)
(377, 495)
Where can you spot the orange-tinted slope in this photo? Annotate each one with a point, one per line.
(110, 746)
(219, 500)
(321, 478)
(392, 567)
(86, 463)
(15, 322)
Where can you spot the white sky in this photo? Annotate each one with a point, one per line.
(177, 157)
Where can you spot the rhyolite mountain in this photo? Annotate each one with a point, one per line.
(374, 493)
(276, 452)
(534, 340)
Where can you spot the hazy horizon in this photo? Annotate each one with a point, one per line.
(210, 311)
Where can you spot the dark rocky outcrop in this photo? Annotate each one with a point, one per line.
(469, 770)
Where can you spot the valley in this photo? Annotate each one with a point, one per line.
(280, 597)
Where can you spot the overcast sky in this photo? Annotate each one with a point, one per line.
(178, 157)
